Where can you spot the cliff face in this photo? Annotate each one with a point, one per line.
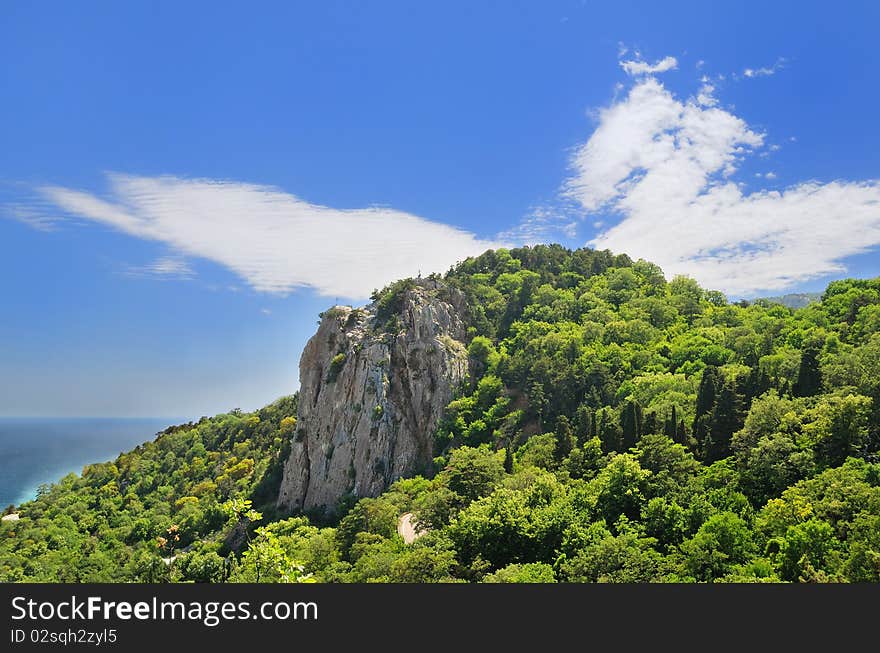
(371, 391)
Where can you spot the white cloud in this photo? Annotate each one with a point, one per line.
(664, 166)
(706, 97)
(32, 218)
(165, 268)
(274, 240)
(638, 68)
(765, 71)
(543, 224)
(30, 213)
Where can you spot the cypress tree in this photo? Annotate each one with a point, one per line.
(631, 423)
(537, 400)
(671, 424)
(681, 433)
(809, 379)
(563, 439)
(508, 459)
(609, 430)
(727, 418)
(757, 382)
(584, 424)
(650, 425)
(706, 396)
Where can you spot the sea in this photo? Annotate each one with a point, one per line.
(37, 450)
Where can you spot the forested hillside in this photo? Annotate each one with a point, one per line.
(177, 498)
(615, 426)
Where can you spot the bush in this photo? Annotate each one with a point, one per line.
(335, 367)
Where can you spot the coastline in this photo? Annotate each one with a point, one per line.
(36, 451)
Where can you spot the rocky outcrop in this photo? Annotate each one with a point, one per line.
(373, 383)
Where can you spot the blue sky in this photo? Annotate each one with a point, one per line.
(184, 188)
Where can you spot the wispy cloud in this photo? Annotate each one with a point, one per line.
(31, 217)
(543, 223)
(663, 167)
(276, 241)
(33, 212)
(765, 71)
(637, 68)
(166, 268)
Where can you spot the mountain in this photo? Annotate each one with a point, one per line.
(373, 384)
(795, 300)
(533, 415)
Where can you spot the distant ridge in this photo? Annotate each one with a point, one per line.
(795, 300)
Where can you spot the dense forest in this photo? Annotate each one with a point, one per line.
(616, 427)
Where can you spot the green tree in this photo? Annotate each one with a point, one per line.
(727, 418)
(805, 549)
(563, 442)
(533, 572)
(722, 542)
(620, 488)
(625, 558)
(472, 472)
(710, 382)
(608, 428)
(841, 428)
(809, 378)
(631, 424)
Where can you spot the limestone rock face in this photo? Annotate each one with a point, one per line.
(373, 384)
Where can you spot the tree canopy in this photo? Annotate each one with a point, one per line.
(616, 427)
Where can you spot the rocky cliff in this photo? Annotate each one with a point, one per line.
(373, 383)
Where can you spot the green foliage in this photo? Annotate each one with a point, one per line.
(374, 516)
(389, 301)
(615, 427)
(533, 572)
(620, 488)
(336, 364)
(722, 542)
(624, 558)
(188, 496)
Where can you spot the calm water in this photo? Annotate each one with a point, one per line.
(41, 450)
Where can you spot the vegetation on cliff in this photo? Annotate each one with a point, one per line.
(616, 427)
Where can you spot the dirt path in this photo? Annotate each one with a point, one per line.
(407, 528)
